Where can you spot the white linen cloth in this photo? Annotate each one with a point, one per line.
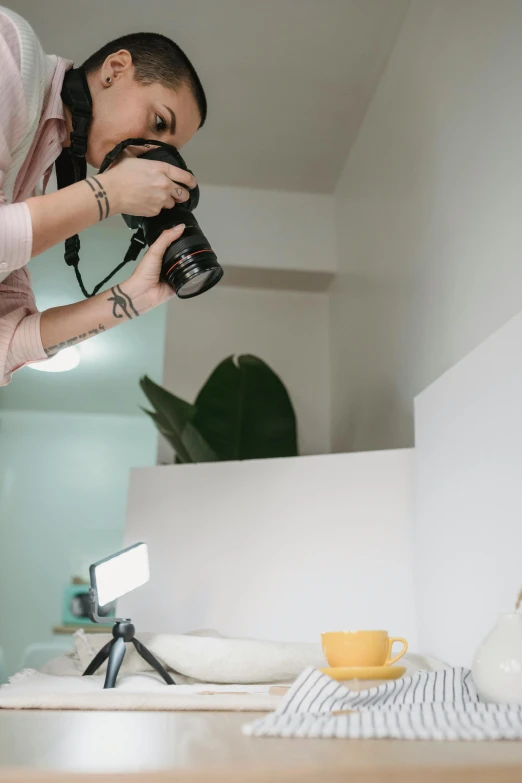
(200, 656)
(206, 656)
(143, 691)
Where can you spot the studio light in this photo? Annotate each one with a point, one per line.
(111, 578)
(121, 573)
(63, 361)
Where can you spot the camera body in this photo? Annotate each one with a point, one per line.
(189, 265)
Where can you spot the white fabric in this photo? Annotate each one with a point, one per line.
(35, 691)
(439, 705)
(203, 656)
(206, 656)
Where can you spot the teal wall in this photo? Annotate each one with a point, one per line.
(63, 490)
(67, 443)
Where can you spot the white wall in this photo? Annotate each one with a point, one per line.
(468, 431)
(63, 488)
(276, 549)
(287, 330)
(269, 228)
(428, 216)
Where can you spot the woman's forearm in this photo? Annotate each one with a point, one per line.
(61, 327)
(69, 211)
(64, 326)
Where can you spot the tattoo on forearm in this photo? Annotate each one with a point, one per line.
(100, 196)
(54, 349)
(123, 304)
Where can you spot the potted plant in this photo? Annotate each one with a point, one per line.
(243, 411)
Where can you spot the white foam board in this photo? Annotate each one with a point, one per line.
(281, 549)
(469, 496)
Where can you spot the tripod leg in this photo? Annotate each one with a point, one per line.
(116, 656)
(152, 661)
(99, 658)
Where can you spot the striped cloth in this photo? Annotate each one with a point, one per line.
(440, 705)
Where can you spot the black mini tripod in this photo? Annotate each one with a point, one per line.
(123, 631)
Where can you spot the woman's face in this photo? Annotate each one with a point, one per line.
(124, 108)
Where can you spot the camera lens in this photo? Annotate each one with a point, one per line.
(190, 267)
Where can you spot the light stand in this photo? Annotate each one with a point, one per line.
(113, 577)
(114, 651)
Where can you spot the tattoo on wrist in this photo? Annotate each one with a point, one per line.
(123, 304)
(100, 196)
(54, 349)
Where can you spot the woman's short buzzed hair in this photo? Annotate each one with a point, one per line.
(156, 59)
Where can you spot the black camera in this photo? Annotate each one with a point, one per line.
(189, 265)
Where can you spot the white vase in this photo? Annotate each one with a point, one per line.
(497, 667)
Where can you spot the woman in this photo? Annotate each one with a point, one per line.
(142, 86)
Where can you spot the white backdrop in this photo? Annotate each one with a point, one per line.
(469, 496)
(281, 549)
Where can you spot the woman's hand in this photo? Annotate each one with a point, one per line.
(145, 187)
(144, 285)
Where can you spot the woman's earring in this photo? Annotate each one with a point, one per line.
(108, 79)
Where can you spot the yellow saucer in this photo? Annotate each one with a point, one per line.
(365, 672)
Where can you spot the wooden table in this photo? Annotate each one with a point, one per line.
(208, 746)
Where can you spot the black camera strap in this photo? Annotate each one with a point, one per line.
(76, 94)
(71, 167)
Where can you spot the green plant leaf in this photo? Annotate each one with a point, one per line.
(170, 435)
(244, 412)
(173, 408)
(171, 415)
(197, 446)
(169, 418)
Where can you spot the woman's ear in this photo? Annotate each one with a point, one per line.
(116, 67)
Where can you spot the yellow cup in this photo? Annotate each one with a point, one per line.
(361, 648)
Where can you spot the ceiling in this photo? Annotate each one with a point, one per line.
(288, 81)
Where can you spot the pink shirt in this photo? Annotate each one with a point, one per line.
(20, 340)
